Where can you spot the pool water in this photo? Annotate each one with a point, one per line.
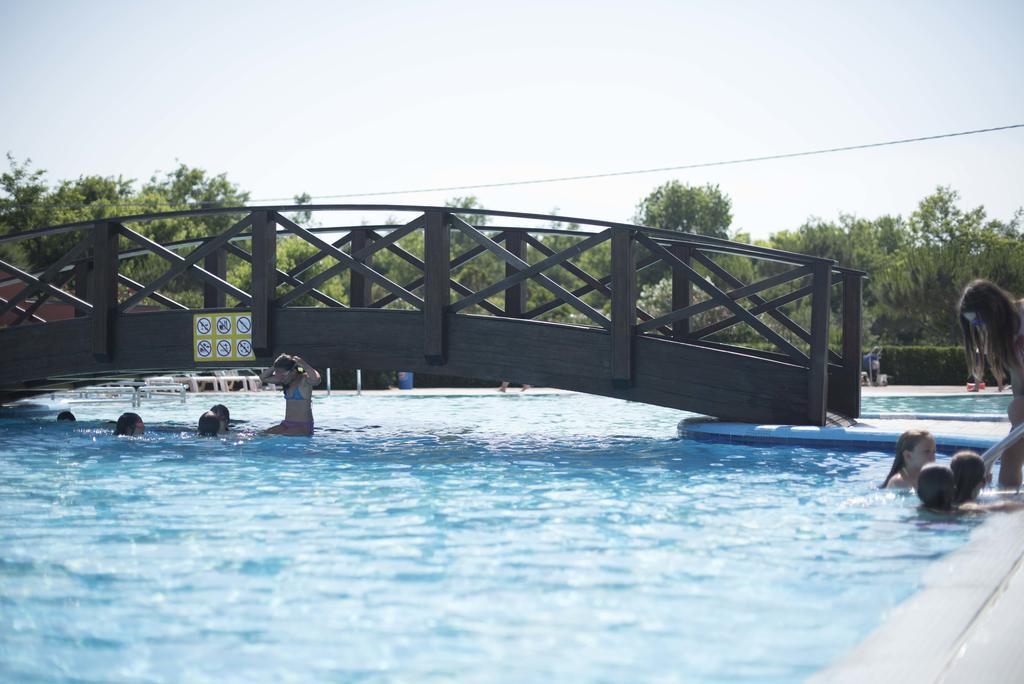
(503, 538)
(968, 403)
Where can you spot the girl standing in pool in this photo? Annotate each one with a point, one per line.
(993, 324)
(914, 450)
(298, 379)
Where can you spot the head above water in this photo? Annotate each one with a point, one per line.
(209, 424)
(914, 449)
(968, 475)
(65, 415)
(129, 424)
(989, 320)
(936, 486)
(221, 411)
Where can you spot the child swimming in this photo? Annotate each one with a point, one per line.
(914, 450)
(298, 379)
(129, 425)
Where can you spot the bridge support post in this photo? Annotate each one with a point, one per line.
(515, 296)
(215, 262)
(359, 287)
(844, 382)
(104, 289)
(817, 389)
(264, 280)
(623, 307)
(682, 291)
(436, 289)
(83, 273)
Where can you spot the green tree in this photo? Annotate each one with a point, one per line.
(703, 210)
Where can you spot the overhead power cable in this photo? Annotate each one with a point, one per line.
(562, 179)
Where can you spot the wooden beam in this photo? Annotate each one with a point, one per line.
(359, 288)
(348, 261)
(264, 280)
(817, 378)
(104, 290)
(436, 290)
(525, 270)
(286, 278)
(623, 307)
(515, 296)
(215, 262)
(682, 291)
(187, 264)
(844, 383)
(43, 281)
(167, 254)
(83, 274)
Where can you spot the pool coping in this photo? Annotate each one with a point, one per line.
(962, 625)
(859, 436)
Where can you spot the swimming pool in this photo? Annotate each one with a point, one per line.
(965, 404)
(485, 538)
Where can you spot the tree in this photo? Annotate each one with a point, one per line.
(688, 209)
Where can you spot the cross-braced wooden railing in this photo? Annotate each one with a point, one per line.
(628, 281)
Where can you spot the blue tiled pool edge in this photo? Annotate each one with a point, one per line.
(863, 438)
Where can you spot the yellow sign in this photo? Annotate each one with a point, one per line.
(222, 337)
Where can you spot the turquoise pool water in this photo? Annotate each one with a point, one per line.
(486, 538)
(968, 403)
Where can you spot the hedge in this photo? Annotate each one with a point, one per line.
(926, 366)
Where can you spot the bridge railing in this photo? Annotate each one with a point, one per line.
(627, 280)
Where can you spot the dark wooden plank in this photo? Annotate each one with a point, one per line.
(436, 290)
(83, 274)
(181, 264)
(31, 280)
(45, 278)
(358, 286)
(535, 271)
(167, 254)
(104, 289)
(216, 262)
(844, 381)
(515, 296)
(283, 277)
(458, 287)
(682, 291)
(817, 378)
(348, 261)
(723, 299)
(623, 307)
(60, 280)
(741, 292)
(155, 296)
(264, 279)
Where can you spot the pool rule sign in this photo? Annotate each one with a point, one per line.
(222, 337)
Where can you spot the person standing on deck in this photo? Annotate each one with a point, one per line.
(993, 323)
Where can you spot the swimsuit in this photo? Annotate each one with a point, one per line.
(306, 425)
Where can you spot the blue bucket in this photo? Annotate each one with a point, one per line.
(404, 380)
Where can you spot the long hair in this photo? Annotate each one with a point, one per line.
(907, 441)
(968, 472)
(991, 333)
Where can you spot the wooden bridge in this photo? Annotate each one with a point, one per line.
(672, 319)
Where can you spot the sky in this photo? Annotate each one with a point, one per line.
(345, 98)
